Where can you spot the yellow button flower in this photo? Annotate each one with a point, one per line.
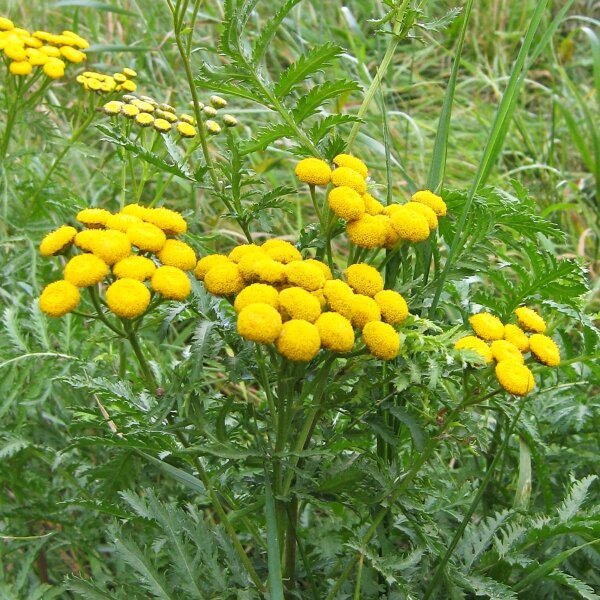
(206, 263)
(72, 55)
(335, 331)
(259, 322)
(130, 111)
(146, 236)
(36, 57)
(381, 339)
(186, 130)
(212, 127)
(530, 320)
(110, 246)
(176, 253)
(15, 51)
(299, 341)
(313, 171)
(281, 251)
(409, 225)
(50, 51)
(470, 342)
(20, 67)
(170, 221)
(247, 265)
(486, 326)
(128, 86)
(297, 303)
(257, 293)
(321, 265)
(372, 206)
(230, 121)
(368, 231)
(162, 125)
(58, 240)
(516, 336)
(514, 377)
(347, 160)
(6, 24)
(93, 218)
(144, 119)
(392, 305)
(134, 267)
(270, 271)
(346, 203)
(171, 283)
(54, 68)
(364, 279)
(392, 238)
(304, 275)
(59, 298)
(218, 102)
(364, 310)
(426, 211)
(121, 221)
(224, 279)
(86, 238)
(113, 107)
(85, 270)
(243, 250)
(502, 350)
(129, 73)
(432, 200)
(128, 298)
(343, 176)
(544, 349)
(339, 296)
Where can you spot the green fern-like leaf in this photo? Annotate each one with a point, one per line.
(310, 103)
(266, 35)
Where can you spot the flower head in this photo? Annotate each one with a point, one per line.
(147, 237)
(171, 283)
(259, 322)
(281, 251)
(134, 267)
(381, 339)
(58, 240)
(344, 176)
(176, 253)
(514, 377)
(268, 270)
(335, 331)
(368, 231)
(339, 296)
(299, 340)
(128, 298)
(432, 200)
(313, 171)
(364, 310)
(364, 279)
(372, 206)
(392, 305)
(516, 336)
(297, 303)
(137, 210)
(487, 326)
(347, 160)
(501, 350)
(243, 250)
(346, 203)
(224, 279)
(530, 320)
(426, 211)
(59, 298)
(93, 218)
(84, 270)
(162, 125)
(111, 246)
(21, 67)
(304, 275)
(170, 221)
(206, 263)
(544, 349)
(409, 224)
(257, 293)
(54, 68)
(321, 265)
(186, 130)
(470, 342)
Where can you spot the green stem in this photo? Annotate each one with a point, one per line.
(96, 302)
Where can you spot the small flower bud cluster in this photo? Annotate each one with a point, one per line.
(211, 110)
(103, 83)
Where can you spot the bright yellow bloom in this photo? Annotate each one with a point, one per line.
(297, 303)
(364, 310)
(224, 279)
(111, 246)
(470, 342)
(170, 221)
(343, 176)
(113, 107)
(391, 235)
(85, 270)
(530, 320)
(36, 57)
(347, 160)
(185, 118)
(58, 240)
(516, 336)
(209, 111)
(141, 212)
(372, 206)
(340, 297)
(146, 236)
(346, 203)
(186, 130)
(426, 211)
(144, 119)
(134, 267)
(72, 55)
(313, 171)
(15, 52)
(230, 121)
(247, 265)
(86, 238)
(212, 127)
(270, 271)
(545, 349)
(206, 263)
(335, 331)
(6, 24)
(128, 86)
(381, 339)
(514, 377)
(299, 341)
(59, 298)
(121, 221)
(321, 265)
(257, 293)
(320, 296)
(502, 350)
(409, 225)
(243, 250)
(128, 298)
(129, 72)
(50, 51)
(93, 218)
(488, 327)
(281, 251)
(54, 68)
(368, 231)
(259, 322)
(218, 102)
(304, 275)
(392, 305)
(162, 125)
(176, 253)
(130, 111)
(171, 283)
(77, 39)
(20, 67)
(432, 200)
(364, 279)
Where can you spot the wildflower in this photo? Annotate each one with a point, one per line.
(339, 296)
(259, 322)
(409, 225)
(230, 121)
(206, 263)
(544, 349)
(162, 125)
(392, 305)
(72, 55)
(167, 116)
(487, 326)
(128, 86)
(50, 51)
(530, 320)
(130, 73)
(243, 250)
(171, 283)
(15, 52)
(185, 118)
(501, 350)
(364, 279)
(335, 331)
(176, 253)
(209, 111)
(84, 270)
(514, 377)
(121, 221)
(77, 40)
(36, 58)
(186, 130)
(224, 279)
(470, 342)
(54, 68)
(372, 206)
(298, 340)
(304, 275)
(144, 119)
(346, 203)
(6, 24)
(134, 267)
(344, 176)
(170, 221)
(59, 298)
(110, 246)
(218, 102)
(141, 212)
(432, 200)
(85, 239)
(268, 270)
(212, 127)
(147, 237)
(320, 296)
(281, 251)
(391, 235)
(58, 240)
(166, 107)
(113, 107)
(313, 171)
(297, 303)
(367, 231)
(128, 298)
(364, 310)
(351, 162)
(247, 263)
(321, 265)
(381, 339)
(120, 78)
(426, 211)
(516, 336)
(130, 111)
(257, 293)
(20, 68)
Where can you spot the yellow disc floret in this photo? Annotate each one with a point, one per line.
(121, 221)
(321, 265)
(93, 217)
(59, 298)
(128, 298)
(432, 200)
(372, 206)
(426, 211)
(171, 283)
(297, 303)
(392, 305)
(409, 225)
(364, 310)
(259, 322)
(347, 160)
(381, 339)
(501, 350)
(470, 342)
(134, 267)
(313, 171)
(206, 263)
(224, 279)
(516, 336)
(346, 203)
(544, 349)
(304, 275)
(147, 237)
(84, 270)
(335, 331)
(367, 231)
(299, 340)
(111, 246)
(257, 293)
(281, 251)
(339, 296)
(364, 279)
(176, 253)
(58, 240)
(344, 176)
(170, 221)
(268, 270)
(514, 377)
(487, 327)
(243, 250)
(530, 320)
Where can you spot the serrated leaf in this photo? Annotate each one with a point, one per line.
(265, 136)
(267, 33)
(309, 103)
(322, 127)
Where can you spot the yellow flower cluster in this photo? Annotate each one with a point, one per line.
(297, 304)
(102, 83)
(26, 50)
(117, 249)
(370, 224)
(506, 344)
